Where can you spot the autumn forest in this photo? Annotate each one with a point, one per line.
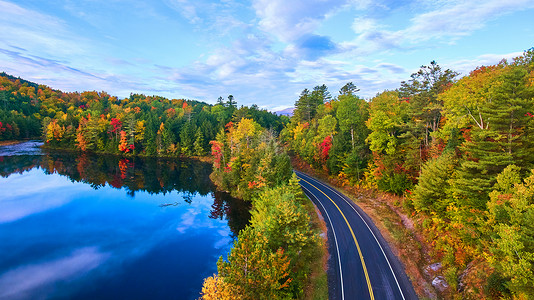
(456, 149)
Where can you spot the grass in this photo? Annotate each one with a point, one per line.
(317, 288)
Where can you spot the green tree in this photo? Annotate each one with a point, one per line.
(198, 145)
(504, 139)
(351, 114)
(510, 220)
(308, 102)
(187, 138)
(422, 92)
(349, 89)
(303, 107)
(432, 192)
(231, 103)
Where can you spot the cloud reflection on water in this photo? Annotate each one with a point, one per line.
(35, 281)
(61, 220)
(20, 200)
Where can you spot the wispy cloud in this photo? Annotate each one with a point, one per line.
(335, 73)
(460, 20)
(36, 32)
(444, 23)
(186, 8)
(218, 18)
(392, 68)
(465, 66)
(263, 51)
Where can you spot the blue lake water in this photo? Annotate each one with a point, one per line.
(102, 227)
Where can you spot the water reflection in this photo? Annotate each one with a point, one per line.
(20, 199)
(103, 227)
(152, 175)
(25, 282)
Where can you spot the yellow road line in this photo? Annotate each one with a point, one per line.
(355, 240)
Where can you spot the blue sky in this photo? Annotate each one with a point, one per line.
(261, 51)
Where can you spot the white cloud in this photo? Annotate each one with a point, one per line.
(41, 48)
(444, 23)
(186, 8)
(362, 4)
(290, 20)
(216, 18)
(264, 53)
(335, 73)
(460, 19)
(362, 25)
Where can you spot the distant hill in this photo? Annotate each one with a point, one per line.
(99, 122)
(285, 112)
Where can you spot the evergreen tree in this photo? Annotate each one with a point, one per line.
(505, 139)
(198, 145)
(187, 139)
(231, 103)
(303, 108)
(422, 93)
(432, 192)
(349, 89)
(220, 101)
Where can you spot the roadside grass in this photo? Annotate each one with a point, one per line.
(317, 288)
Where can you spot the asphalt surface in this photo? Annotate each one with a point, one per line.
(361, 264)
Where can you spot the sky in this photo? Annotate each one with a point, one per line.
(262, 52)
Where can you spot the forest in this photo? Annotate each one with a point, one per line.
(457, 150)
(460, 153)
(275, 256)
(138, 125)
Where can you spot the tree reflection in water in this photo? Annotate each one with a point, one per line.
(153, 175)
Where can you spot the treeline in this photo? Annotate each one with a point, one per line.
(273, 257)
(97, 122)
(459, 150)
(330, 133)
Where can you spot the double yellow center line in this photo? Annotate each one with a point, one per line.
(353, 236)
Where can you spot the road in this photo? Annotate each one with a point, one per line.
(361, 264)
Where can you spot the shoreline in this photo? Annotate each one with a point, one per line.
(205, 159)
(12, 142)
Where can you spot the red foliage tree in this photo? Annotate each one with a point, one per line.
(325, 147)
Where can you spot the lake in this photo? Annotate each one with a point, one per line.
(81, 226)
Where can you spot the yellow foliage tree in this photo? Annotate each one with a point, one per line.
(215, 288)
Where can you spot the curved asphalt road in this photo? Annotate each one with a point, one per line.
(361, 265)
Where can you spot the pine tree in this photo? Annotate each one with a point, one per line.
(198, 145)
(349, 89)
(431, 194)
(505, 139)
